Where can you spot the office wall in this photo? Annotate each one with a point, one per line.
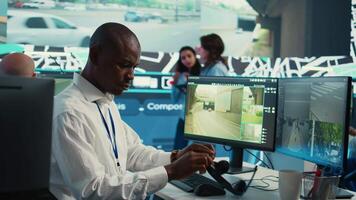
(293, 29)
(327, 23)
(315, 28)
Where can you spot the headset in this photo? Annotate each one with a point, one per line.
(219, 168)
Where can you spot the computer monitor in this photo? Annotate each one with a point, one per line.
(235, 111)
(26, 106)
(313, 119)
(353, 104)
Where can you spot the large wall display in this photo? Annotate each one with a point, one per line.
(3, 21)
(64, 60)
(147, 105)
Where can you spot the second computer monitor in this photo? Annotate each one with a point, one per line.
(235, 111)
(313, 119)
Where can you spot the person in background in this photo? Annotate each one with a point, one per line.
(351, 161)
(96, 155)
(210, 50)
(187, 65)
(17, 64)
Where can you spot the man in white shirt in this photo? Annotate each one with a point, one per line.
(95, 155)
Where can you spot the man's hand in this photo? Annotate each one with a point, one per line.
(200, 148)
(187, 164)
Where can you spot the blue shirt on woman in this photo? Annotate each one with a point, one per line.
(215, 69)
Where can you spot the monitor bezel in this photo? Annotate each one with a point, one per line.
(237, 144)
(346, 124)
(33, 99)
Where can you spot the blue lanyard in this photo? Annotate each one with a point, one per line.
(114, 147)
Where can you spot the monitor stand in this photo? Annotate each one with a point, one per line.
(236, 159)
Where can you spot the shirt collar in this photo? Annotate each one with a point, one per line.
(90, 92)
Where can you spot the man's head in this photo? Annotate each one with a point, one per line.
(17, 64)
(113, 55)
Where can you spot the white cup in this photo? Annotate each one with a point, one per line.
(289, 184)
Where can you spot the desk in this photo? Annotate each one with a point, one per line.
(170, 192)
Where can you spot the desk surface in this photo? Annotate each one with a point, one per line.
(170, 192)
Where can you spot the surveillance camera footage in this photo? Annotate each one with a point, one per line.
(236, 110)
(311, 119)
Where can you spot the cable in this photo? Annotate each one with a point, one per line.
(269, 160)
(263, 189)
(271, 176)
(263, 162)
(266, 184)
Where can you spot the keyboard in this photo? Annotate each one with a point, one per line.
(190, 183)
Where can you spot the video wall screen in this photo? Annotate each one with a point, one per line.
(3, 21)
(160, 25)
(156, 22)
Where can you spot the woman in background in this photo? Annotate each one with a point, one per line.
(187, 65)
(210, 51)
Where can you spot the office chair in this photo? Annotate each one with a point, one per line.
(349, 180)
(179, 141)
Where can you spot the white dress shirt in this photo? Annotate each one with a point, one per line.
(83, 164)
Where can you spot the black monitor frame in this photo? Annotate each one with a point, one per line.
(346, 122)
(236, 158)
(353, 104)
(26, 132)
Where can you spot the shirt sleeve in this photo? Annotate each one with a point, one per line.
(83, 173)
(217, 71)
(141, 157)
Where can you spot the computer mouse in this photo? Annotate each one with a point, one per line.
(205, 190)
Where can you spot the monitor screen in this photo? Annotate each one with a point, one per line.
(353, 104)
(237, 111)
(313, 119)
(26, 106)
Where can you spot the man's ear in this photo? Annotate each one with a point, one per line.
(93, 54)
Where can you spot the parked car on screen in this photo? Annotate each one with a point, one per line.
(155, 17)
(208, 105)
(44, 29)
(39, 4)
(133, 16)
